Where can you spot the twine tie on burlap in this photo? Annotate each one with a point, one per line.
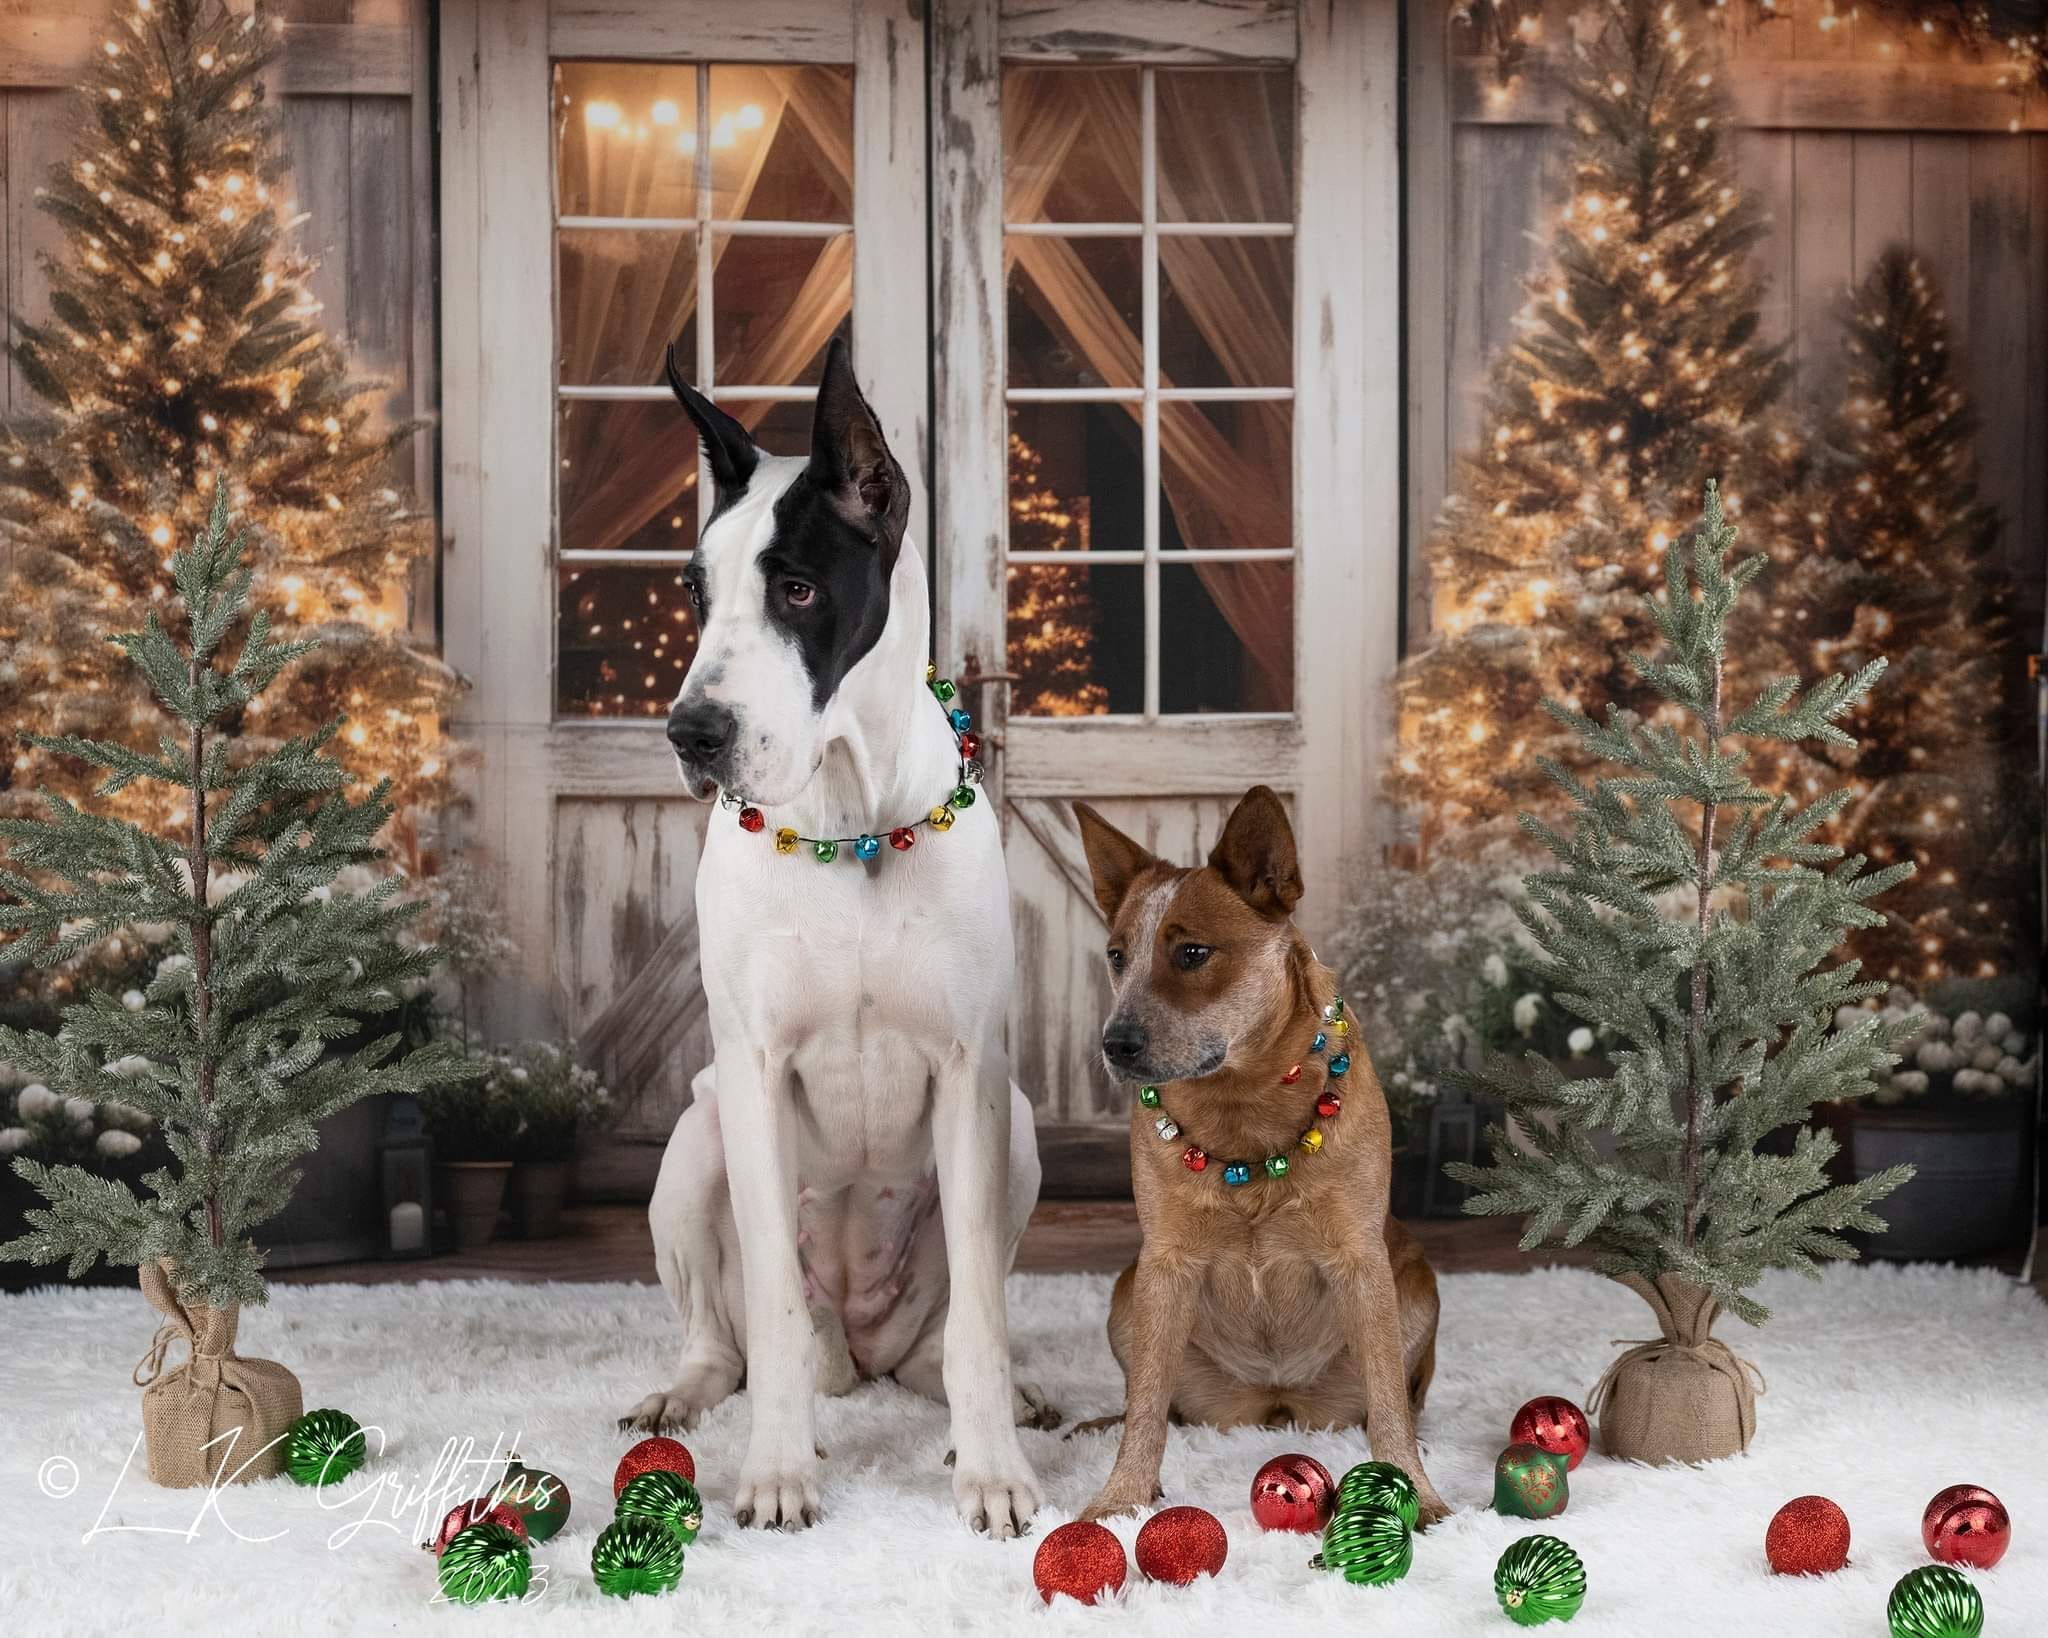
(190, 1410)
(1715, 1354)
(1685, 1396)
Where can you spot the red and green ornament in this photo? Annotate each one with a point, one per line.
(634, 1556)
(1539, 1579)
(485, 1562)
(1935, 1601)
(1367, 1546)
(477, 1510)
(1380, 1484)
(667, 1498)
(655, 1455)
(541, 1498)
(1529, 1483)
(323, 1447)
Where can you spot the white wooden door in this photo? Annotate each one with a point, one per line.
(745, 180)
(1166, 452)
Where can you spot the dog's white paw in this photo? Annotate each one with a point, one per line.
(996, 1497)
(668, 1412)
(786, 1500)
(1032, 1411)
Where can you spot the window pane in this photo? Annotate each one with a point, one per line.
(1226, 145)
(779, 426)
(624, 640)
(1075, 312)
(1070, 145)
(775, 304)
(782, 143)
(1076, 637)
(623, 296)
(1226, 637)
(626, 476)
(1226, 312)
(1226, 475)
(626, 139)
(1079, 470)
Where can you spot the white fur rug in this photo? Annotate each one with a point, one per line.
(1885, 1385)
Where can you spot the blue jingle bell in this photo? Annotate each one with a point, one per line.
(865, 848)
(960, 720)
(1237, 1171)
(1340, 1063)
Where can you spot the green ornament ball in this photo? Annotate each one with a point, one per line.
(668, 1499)
(323, 1447)
(1529, 1483)
(1367, 1546)
(1380, 1484)
(1935, 1601)
(485, 1562)
(541, 1498)
(1539, 1579)
(636, 1555)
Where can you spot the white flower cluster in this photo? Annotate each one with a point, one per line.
(1978, 1055)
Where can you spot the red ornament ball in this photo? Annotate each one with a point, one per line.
(1966, 1524)
(477, 1510)
(1180, 1544)
(655, 1455)
(1080, 1559)
(1555, 1425)
(1809, 1535)
(1293, 1493)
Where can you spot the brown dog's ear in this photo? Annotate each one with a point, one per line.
(1114, 860)
(1255, 854)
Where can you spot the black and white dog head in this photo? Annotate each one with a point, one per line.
(790, 584)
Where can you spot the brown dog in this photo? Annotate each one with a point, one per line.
(1281, 1299)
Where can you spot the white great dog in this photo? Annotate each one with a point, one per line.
(844, 1196)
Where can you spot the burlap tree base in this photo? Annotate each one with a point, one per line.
(1685, 1397)
(217, 1417)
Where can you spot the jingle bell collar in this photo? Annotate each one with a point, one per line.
(902, 838)
(1336, 1029)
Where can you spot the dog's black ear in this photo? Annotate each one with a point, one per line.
(727, 445)
(1114, 860)
(850, 459)
(1255, 854)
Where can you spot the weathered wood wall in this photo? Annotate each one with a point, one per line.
(1856, 137)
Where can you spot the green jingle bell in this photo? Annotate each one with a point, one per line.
(1367, 1546)
(484, 1562)
(323, 1447)
(667, 1498)
(1934, 1601)
(1539, 1579)
(1380, 1484)
(1529, 1483)
(636, 1555)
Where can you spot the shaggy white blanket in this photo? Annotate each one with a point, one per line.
(1885, 1385)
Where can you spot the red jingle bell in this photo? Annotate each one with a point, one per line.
(751, 819)
(1555, 1425)
(1809, 1535)
(1080, 1559)
(1293, 1492)
(1966, 1524)
(1196, 1160)
(477, 1510)
(1328, 1104)
(653, 1455)
(969, 744)
(902, 838)
(1180, 1544)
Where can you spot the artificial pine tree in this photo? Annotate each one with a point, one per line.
(1719, 1018)
(183, 342)
(1908, 569)
(240, 1044)
(1638, 373)
(1051, 624)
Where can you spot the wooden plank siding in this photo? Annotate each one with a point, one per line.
(1854, 138)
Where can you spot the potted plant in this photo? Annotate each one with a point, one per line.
(474, 1125)
(556, 1097)
(1959, 1106)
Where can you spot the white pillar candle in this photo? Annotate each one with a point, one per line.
(408, 1226)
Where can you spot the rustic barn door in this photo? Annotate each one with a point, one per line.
(749, 179)
(1165, 454)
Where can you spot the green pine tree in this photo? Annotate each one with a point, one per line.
(244, 1039)
(1720, 1018)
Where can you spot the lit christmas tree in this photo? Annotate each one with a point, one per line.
(1051, 632)
(1907, 571)
(183, 343)
(1638, 375)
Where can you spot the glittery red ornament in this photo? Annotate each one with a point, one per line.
(1555, 1425)
(655, 1455)
(1809, 1535)
(1293, 1493)
(1180, 1544)
(1082, 1560)
(477, 1510)
(1966, 1524)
